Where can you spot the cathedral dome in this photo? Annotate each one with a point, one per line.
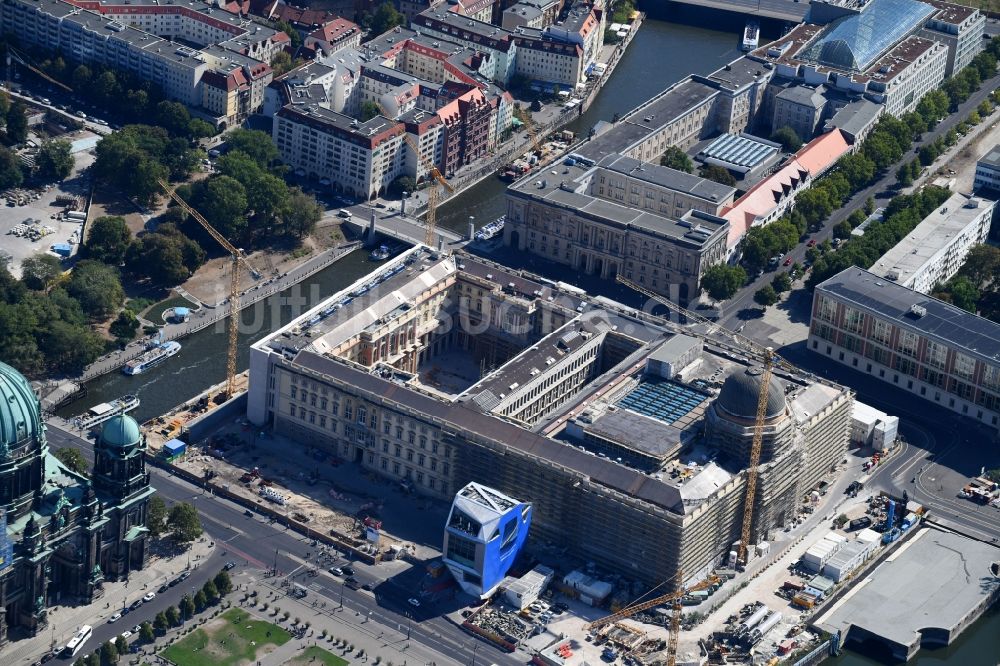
(20, 412)
(740, 393)
(121, 431)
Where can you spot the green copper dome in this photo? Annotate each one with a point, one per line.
(121, 431)
(20, 412)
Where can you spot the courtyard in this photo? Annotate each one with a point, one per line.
(232, 638)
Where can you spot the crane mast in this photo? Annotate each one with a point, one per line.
(238, 261)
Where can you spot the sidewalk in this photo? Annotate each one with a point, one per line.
(64, 621)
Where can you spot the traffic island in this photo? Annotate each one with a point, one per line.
(230, 639)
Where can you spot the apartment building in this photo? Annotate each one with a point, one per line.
(466, 120)
(477, 35)
(477, 10)
(654, 225)
(988, 171)
(333, 36)
(935, 250)
(959, 28)
(359, 159)
(931, 349)
(135, 37)
(531, 14)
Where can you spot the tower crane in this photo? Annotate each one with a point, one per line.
(13, 54)
(769, 360)
(238, 261)
(432, 192)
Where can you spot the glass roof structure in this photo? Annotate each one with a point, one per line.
(854, 42)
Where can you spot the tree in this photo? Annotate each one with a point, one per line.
(109, 653)
(187, 607)
(73, 459)
(281, 62)
(200, 600)
(211, 592)
(963, 293)
(858, 169)
(788, 138)
(105, 88)
(301, 213)
(10, 169)
(94, 658)
(40, 270)
(255, 143)
(223, 202)
(904, 175)
(766, 296)
(402, 184)
(173, 616)
(108, 239)
(675, 158)
(842, 230)
(121, 645)
(293, 35)
(97, 288)
(184, 522)
(982, 266)
(719, 174)
(174, 117)
(368, 111)
(54, 160)
(383, 19)
(17, 123)
(722, 281)
(146, 633)
(124, 326)
(157, 515)
(781, 283)
(160, 622)
(223, 583)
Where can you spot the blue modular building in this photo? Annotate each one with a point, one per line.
(485, 531)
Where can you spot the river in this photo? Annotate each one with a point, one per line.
(661, 54)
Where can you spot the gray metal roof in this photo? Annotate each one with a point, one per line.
(940, 321)
(742, 150)
(992, 158)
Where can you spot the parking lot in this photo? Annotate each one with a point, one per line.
(30, 220)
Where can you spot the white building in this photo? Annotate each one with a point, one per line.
(907, 73)
(524, 591)
(872, 427)
(934, 251)
(988, 171)
(848, 558)
(960, 29)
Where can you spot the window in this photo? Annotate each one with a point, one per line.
(853, 320)
(881, 332)
(908, 341)
(965, 366)
(937, 354)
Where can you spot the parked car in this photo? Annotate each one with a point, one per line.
(336, 571)
(149, 596)
(229, 565)
(349, 570)
(114, 618)
(788, 261)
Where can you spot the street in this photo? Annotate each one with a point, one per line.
(257, 545)
(742, 304)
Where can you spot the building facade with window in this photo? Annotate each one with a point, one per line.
(652, 224)
(932, 349)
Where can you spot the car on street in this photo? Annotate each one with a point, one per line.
(114, 618)
(811, 243)
(137, 628)
(352, 582)
(126, 634)
(413, 601)
(349, 570)
(135, 604)
(336, 571)
(149, 596)
(368, 586)
(248, 513)
(163, 588)
(788, 261)
(229, 565)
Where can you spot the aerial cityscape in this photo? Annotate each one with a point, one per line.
(497, 332)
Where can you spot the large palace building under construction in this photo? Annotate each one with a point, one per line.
(628, 434)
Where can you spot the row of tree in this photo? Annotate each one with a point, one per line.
(180, 520)
(976, 286)
(210, 594)
(902, 214)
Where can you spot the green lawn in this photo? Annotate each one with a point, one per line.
(237, 630)
(316, 655)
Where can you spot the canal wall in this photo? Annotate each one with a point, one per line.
(211, 314)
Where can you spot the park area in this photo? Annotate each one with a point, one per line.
(314, 656)
(232, 639)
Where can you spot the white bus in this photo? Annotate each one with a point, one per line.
(76, 643)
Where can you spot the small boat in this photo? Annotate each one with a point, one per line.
(100, 413)
(381, 253)
(152, 358)
(751, 36)
(491, 229)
